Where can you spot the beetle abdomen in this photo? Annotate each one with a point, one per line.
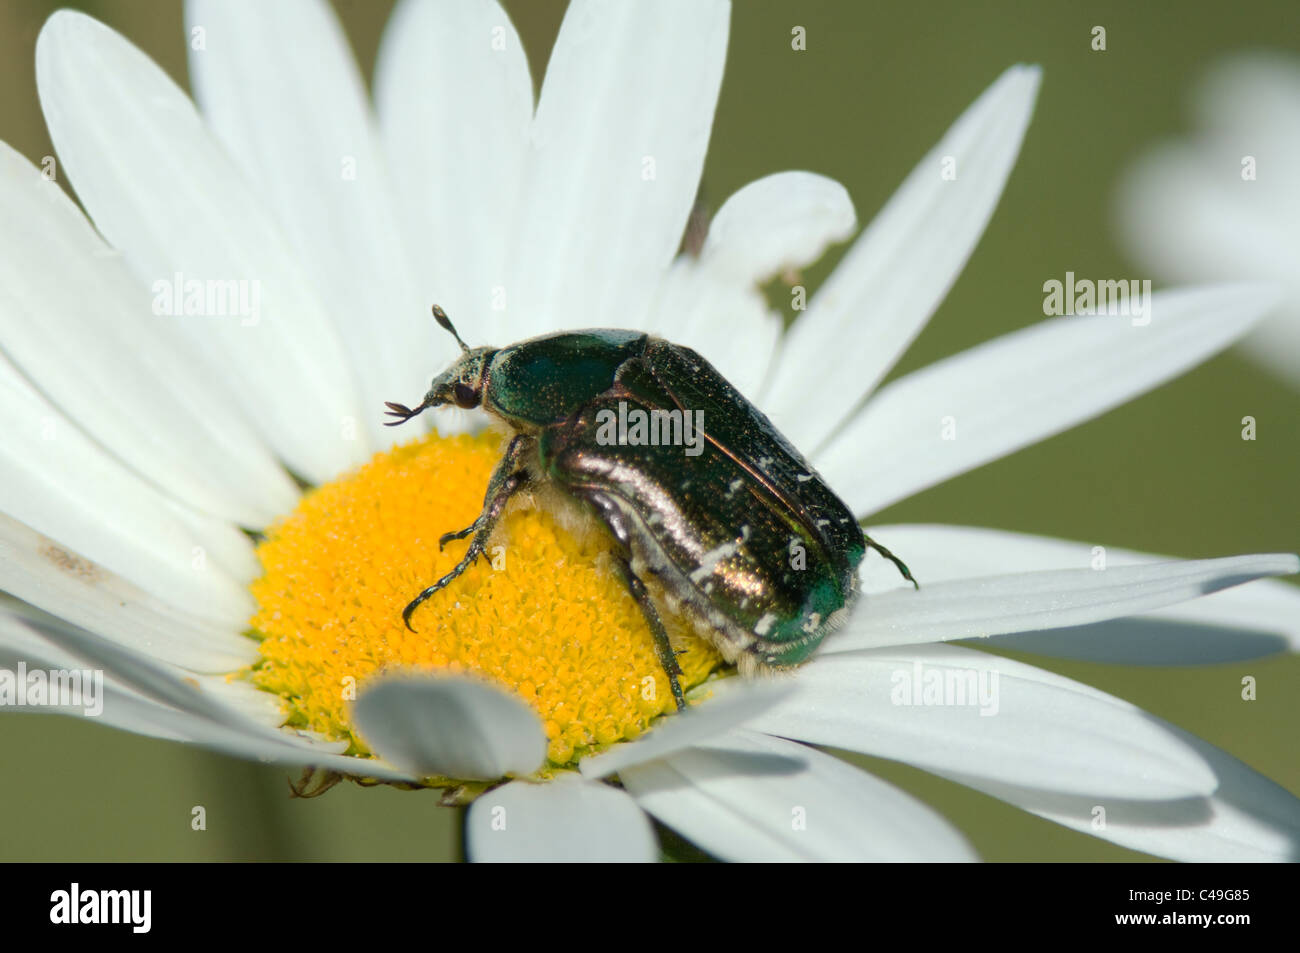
(716, 530)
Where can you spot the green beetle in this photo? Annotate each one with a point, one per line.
(723, 522)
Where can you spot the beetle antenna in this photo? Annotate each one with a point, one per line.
(441, 317)
(402, 412)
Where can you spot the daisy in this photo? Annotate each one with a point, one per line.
(138, 457)
(1225, 203)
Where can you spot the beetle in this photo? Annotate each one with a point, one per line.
(734, 531)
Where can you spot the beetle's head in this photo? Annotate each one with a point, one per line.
(461, 384)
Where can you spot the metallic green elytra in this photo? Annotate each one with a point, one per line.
(714, 514)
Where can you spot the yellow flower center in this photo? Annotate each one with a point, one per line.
(543, 614)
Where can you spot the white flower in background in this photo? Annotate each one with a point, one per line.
(135, 445)
(1225, 202)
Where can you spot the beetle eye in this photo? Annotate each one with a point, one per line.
(464, 395)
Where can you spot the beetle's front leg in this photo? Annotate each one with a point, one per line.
(506, 481)
(508, 465)
(663, 645)
(486, 522)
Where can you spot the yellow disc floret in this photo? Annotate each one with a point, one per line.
(543, 615)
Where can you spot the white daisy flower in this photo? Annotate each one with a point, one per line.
(135, 457)
(1225, 203)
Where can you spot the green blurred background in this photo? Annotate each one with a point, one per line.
(876, 87)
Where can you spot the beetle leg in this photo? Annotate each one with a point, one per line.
(503, 485)
(509, 463)
(902, 566)
(485, 524)
(446, 538)
(663, 646)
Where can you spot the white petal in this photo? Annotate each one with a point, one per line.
(129, 712)
(1190, 209)
(1253, 621)
(1247, 104)
(1248, 818)
(42, 573)
(455, 101)
(1252, 96)
(1194, 219)
(711, 717)
(1031, 728)
(230, 546)
(163, 701)
(897, 272)
(96, 694)
(449, 726)
(102, 699)
(251, 702)
(160, 189)
(322, 175)
(128, 381)
(1021, 602)
(618, 143)
(166, 684)
(19, 640)
(68, 489)
(1275, 342)
(565, 820)
(751, 797)
(782, 221)
(1249, 621)
(37, 570)
(1190, 217)
(1016, 390)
